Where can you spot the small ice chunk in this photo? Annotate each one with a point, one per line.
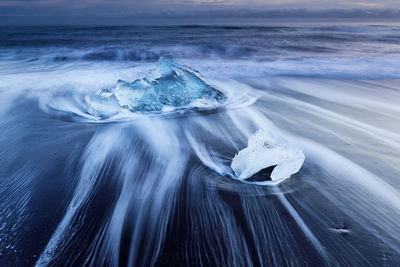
(265, 150)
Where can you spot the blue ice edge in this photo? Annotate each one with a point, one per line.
(168, 88)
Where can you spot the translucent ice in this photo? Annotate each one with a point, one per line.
(169, 86)
(265, 150)
(103, 105)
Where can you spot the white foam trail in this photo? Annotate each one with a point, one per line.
(98, 150)
(215, 237)
(156, 159)
(349, 173)
(159, 189)
(363, 191)
(146, 199)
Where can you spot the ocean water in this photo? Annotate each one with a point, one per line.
(157, 189)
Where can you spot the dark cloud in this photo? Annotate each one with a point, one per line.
(152, 11)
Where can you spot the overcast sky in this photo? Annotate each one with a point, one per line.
(125, 11)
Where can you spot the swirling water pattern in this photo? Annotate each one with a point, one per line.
(158, 190)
